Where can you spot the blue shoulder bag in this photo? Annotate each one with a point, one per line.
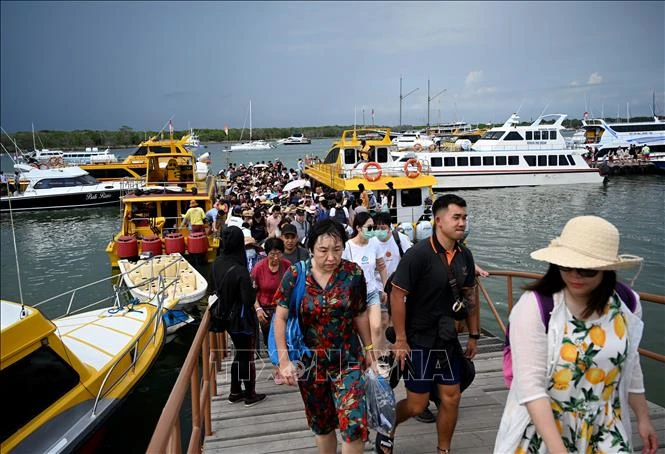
(295, 342)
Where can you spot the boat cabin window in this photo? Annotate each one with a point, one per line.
(536, 135)
(571, 160)
(349, 156)
(162, 150)
(463, 161)
(412, 197)
(552, 135)
(141, 151)
(382, 154)
(542, 160)
(436, 162)
(31, 385)
(500, 160)
(544, 135)
(513, 135)
(530, 160)
(113, 173)
(639, 128)
(552, 160)
(562, 160)
(513, 160)
(449, 162)
(331, 157)
(475, 160)
(488, 161)
(493, 135)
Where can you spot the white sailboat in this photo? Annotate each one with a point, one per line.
(251, 145)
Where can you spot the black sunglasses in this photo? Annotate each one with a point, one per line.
(581, 271)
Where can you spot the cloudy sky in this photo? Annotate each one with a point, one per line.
(103, 65)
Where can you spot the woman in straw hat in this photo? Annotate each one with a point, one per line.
(574, 378)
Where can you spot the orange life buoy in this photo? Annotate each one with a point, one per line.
(432, 147)
(417, 147)
(375, 165)
(413, 174)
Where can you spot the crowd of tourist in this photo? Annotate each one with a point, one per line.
(359, 276)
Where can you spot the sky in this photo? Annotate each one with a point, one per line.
(103, 65)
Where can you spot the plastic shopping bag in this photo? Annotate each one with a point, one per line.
(380, 401)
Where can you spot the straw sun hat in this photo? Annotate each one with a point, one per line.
(587, 242)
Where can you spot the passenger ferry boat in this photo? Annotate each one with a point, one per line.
(63, 187)
(91, 155)
(510, 155)
(153, 215)
(135, 165)
(342, 170)
(610, 136)
(62, 378)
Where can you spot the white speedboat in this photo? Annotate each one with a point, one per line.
(414, 140)
(297, 138)
(168, 276)
(65, 187)
(609, 136)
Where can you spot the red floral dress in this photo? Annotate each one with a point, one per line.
(331, 381)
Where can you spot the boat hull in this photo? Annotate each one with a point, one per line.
(73, 199)
(478, 180)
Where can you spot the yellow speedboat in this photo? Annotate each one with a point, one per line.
(152, 215)
(62, 378)
(135, 165)
(342, 170)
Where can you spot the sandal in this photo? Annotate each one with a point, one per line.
(443, 450)
(383, 444)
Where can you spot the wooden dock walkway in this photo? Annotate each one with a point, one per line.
(278, 425)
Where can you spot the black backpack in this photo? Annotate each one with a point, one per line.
(340, 215)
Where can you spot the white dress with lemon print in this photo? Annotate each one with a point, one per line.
(583, 387)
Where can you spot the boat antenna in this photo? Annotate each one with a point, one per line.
(546, 107)
(23, 312)
(519, 108)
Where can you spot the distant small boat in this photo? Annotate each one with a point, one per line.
(297, 138)
(251, 145)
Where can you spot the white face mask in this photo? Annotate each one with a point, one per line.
(250, 253)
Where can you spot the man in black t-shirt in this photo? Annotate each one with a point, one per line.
(421, 300)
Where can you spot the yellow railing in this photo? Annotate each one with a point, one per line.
(509, 275)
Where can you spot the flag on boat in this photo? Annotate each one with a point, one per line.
(170, 127)
(226, 130)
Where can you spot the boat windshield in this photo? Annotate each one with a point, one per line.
(83, 180)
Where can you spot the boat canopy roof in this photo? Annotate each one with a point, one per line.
(22, 328)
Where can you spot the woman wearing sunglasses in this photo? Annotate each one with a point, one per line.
(574, 379)
(364, 250)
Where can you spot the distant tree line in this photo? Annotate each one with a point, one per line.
(126, 137)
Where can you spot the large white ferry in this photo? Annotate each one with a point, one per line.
(509, 155)
(610, 136)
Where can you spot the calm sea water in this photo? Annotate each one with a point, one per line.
(61, 250)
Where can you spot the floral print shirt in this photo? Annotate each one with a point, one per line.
(327, 314)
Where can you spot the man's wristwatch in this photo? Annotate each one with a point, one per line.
(474, 336)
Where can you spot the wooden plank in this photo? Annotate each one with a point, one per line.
(278, 425)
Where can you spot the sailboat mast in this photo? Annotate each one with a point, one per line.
(34, 145)
(250, 120)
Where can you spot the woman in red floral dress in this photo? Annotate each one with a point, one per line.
(334, 322)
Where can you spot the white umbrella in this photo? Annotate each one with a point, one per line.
(260, 166)
(295, 184)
